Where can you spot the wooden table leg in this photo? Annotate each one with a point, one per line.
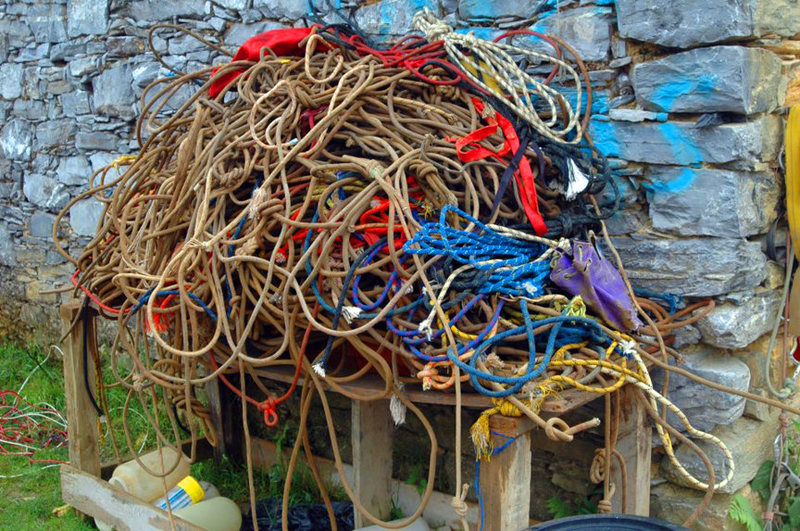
(506, 478)
(635, 444)
(83, 440)
(226, 417)
(372, 458)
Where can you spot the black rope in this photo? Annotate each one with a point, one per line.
(85, 319)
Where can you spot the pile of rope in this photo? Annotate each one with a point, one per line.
(409, 211)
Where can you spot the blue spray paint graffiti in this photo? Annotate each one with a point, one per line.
(477, 9)
(682, 146)
(665, 95)
(670, 136)
(599, 99)
(676, 185)
(604, 138)
(482, 32)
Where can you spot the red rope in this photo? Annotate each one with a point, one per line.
(19, 427)
(269, 406)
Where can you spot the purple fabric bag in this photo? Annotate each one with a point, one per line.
(586, 273)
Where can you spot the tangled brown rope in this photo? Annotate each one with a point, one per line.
(232, 240)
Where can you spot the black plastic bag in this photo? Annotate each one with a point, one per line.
(302, 517)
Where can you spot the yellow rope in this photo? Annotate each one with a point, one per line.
(793, 176)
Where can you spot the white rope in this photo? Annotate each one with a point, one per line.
(655, 398)
(494, 61)
(397, 408)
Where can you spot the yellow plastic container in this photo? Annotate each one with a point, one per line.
(187, 492)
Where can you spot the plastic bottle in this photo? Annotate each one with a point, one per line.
(133, 479)
(216, 514)
(187, 492)
(209, 489)
(417, 525)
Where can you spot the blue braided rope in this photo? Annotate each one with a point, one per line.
(509, 261)
(671, 299)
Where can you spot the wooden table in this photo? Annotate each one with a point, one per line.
(505, 480)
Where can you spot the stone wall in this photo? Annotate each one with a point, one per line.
(687, 106)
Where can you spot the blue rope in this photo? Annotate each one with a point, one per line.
(671, 299)
(144, 298)
(512, 270)
(590, 330)
(391, 282)
(337, 314)
(412, 343)
(330, 309)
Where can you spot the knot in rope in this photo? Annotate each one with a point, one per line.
(459, 503)
(507, 409)
(138, 383)
(576, 307)
(604, 506)
(374, 169)
(423, 169)
(493, 361)
(433, 28)
(248, 248)
(597, 471)
(195, 243)
(448, 92)
(229, 178)
(480, 432)
(269, 408)
(557, 433)
(396, 406)
(260, 197)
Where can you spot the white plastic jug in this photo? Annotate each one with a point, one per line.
(133, 479)
(216, 514)
(417, 525)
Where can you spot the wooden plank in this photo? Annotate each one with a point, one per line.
(93, 496)
(571, 399)
(635, 444)
(217, 419)
(372, 458)
(83, 441)
(226, 417)
(506, 479)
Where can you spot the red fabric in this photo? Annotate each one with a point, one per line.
(524, 176)
(282, 42)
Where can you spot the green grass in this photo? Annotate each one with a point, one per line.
(231, 480)
(30, 492)
(28, 501)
